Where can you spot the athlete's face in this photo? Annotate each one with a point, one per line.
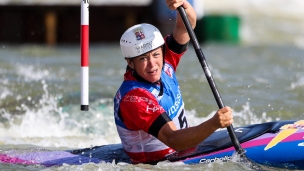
(148, 65)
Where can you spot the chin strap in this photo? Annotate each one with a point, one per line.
(141, 79)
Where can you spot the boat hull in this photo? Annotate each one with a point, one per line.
(288, 153)
(277, 144)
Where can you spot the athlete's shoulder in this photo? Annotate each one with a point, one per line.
(139, 108)
(137, 94)
(128, 76)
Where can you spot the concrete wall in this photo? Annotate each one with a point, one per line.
(61, 24)
(76, 2)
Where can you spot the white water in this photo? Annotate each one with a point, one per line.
(51, 126)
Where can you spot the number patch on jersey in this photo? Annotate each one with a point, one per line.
(182, 120)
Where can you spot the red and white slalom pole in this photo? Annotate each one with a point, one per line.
(84, 41)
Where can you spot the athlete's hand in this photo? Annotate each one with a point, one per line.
(223, 117)
(174, 4)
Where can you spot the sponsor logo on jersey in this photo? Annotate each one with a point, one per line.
(178, 100)
(134, 99)
(168, 70)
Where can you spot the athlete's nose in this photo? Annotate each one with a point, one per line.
(151, 61)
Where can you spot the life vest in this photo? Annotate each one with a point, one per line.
(138, 144)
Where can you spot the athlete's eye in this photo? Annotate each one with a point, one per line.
(143, 58)
(156, 54)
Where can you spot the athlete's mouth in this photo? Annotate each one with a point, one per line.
(152, 72)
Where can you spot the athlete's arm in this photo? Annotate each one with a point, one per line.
(174, 46)
(180, 33)
(189, 137)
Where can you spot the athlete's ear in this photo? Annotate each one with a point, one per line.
(130, 63)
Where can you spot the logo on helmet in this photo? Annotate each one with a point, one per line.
(144, 48)
(139, 34)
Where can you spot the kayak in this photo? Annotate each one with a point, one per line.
(277, 144)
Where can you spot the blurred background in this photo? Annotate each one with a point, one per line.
(58, 22)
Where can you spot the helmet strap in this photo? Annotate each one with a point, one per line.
(141, 79)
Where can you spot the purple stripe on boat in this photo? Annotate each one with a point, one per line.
(13, 160)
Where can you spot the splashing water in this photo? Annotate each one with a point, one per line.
(47, 124)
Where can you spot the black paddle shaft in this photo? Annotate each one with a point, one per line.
(202, 60)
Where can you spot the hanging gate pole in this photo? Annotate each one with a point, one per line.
(84, 43)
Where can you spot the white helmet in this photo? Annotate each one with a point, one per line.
(140, 39)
